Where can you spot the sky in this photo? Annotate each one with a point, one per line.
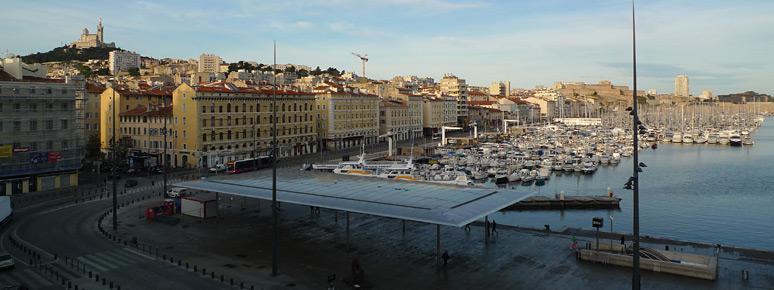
(722, 46)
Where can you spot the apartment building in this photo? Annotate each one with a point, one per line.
(681, 86)
(346, 117)
(122, 99)
(455, 87)
(394, 119)
(142, 130)
(122, 61)
(209, 63)
(414, 103)
(91, 110)
(220, 122)
(41, 146)
(433, 114)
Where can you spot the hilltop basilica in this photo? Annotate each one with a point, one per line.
(92, 40)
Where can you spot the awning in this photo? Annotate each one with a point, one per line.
(409, 200)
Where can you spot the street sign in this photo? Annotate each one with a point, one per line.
(597, 222)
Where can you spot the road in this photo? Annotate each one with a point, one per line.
(68, 242)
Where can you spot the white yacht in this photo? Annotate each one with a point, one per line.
(687, 138)
(677, 138)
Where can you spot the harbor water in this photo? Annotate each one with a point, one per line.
(699, 192)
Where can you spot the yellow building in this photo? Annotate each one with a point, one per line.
(125, 100)
(91, 109)
(346, 116)
(432, 114)
(456, 87)
(143, 130)
(219, 122)
(394, 119)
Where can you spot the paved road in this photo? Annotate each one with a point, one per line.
(69, 241)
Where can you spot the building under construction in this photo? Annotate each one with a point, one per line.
(42, 129)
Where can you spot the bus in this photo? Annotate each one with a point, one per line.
(249, 164)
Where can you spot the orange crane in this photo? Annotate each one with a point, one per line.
(364, 58)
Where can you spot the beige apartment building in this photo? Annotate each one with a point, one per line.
(220, 122)
(681, 86)
(346, 117)
(455, 87)
(116, 101)
(394, 119)
(414, 103)
(209, 63)
(143, 131)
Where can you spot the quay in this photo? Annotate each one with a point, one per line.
(566, 202)
(402, 255)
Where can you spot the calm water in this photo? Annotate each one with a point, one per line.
(706, 193)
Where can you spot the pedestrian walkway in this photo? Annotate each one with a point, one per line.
(26, 277)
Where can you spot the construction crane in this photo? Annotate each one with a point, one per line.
(364, 58)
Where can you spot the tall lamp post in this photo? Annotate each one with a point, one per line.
(114, 173)
(274, 165)
(636, 168)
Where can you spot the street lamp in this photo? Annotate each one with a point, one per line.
(611, 233)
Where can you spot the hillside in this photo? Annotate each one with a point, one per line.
(69, 54)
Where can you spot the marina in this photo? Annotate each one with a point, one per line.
(683, 181)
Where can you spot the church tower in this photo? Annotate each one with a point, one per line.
(99, 31)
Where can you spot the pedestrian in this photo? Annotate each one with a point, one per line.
(623, 240)
(487, 225)
(574, 243)
(467, 227)
(445, 257)
(494, 227)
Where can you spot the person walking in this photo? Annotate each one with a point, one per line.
(445, 257)
(494, 227)
(574, 243)
(623, 240)
(487, 225)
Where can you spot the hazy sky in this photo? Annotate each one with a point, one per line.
(723, 46)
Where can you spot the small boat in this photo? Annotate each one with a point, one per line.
(654, 146)
(735, 140)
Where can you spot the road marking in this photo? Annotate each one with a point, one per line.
(118, 257)
(105, 261)
(7, 280)
(140, 254)
(92, 264)
(38, 278)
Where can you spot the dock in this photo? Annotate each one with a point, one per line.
(567, 202)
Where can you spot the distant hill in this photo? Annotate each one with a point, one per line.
(68, 54)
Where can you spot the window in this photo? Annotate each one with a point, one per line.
(220, 109)
(64, 124)
(175, 120)
(183, 97)
(49, 125)
(16, 107)
(204, 123)
(1, 107)
(16, 126)
(65, 107)
(49, 107)
(33, 107)
(212, 121)
(183, 134)
(183, 117)
(183, 104)
(50, 145)
(204, 137)
(64, 144)
(228, 108)
(204, 109)
(33, 146)
(33, 125)
(212, 108)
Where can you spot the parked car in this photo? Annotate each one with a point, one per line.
(130, 183)
(6, 262)
(177, 192)
(218, 168)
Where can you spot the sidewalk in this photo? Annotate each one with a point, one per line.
(239, 245)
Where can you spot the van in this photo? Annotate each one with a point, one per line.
(6, 262)
(177, 192)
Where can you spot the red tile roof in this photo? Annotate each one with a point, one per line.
(481, 103)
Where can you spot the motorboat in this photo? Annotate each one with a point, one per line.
(735, 140)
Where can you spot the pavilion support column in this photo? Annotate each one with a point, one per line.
(438, 246)
(335, 216)
(404, 226)
(347, 231)
(486, 230)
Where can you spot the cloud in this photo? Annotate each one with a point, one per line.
(298, 25)
(356, 30)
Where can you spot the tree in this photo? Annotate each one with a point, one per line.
(316, 72)
(333, 71)
(134, 71)
(302, 73)
(93, 148)
(290, 69)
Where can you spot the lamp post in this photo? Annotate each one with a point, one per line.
(635, 163)
(114, 171)
(274, 165)
(611, 233)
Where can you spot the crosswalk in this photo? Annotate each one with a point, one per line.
(104, 261)
(26, 277)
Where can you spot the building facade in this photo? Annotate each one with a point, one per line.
(41, 146)
(220, 122)
(394, 119)
(209, 63)
(122, 61)
(681, 86)
(455, 87)
(346, 117)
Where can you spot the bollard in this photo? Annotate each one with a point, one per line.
(221, 277)
(241, 285)
(118, 287)
(69, 284)
(212, 274)
(204, 272)
(90, 273)
(103, 281)
(195, 269)
(186, 265)
(96, 278)
(745, 274)
(232, 281)
(111, 284)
